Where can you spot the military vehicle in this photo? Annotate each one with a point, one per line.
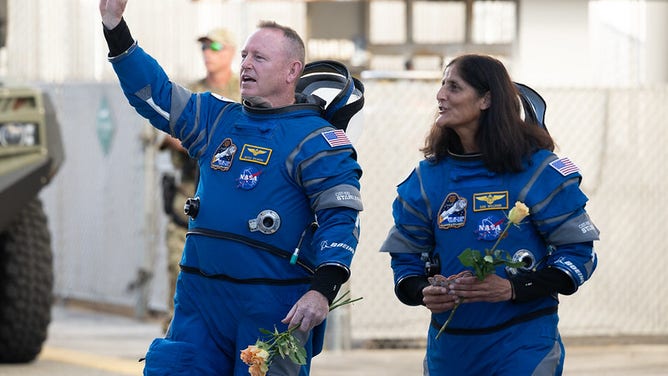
(31, 153)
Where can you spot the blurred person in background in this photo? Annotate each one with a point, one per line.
(274, 223)
(481, 157)
(218, 49)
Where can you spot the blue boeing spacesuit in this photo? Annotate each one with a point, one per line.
(277, 200)
(443, 208)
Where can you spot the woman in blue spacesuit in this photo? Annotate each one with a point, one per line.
(482, 156)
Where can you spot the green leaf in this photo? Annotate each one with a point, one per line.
(468, 257)
(479, 272)
(299, 356)
(283, 349)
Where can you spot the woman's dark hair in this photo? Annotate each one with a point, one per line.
(505, 140)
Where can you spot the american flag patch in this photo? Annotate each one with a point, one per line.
(564, 166)
(336, 138)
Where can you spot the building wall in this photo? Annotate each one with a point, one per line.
(568, 42)
(553, 47)
(581, 43)
(61, 40)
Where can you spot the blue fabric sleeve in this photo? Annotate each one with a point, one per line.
(413, 230)
(557, 206)
(406, 265)
(337, 236)
(146, 86)
(577, 260)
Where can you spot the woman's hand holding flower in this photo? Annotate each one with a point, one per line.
(492, 289)
(437, 299)
(483, 285)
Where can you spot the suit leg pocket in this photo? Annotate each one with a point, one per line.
(167, 357)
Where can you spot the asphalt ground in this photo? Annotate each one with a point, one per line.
(84, 342)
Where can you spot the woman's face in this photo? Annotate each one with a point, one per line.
(459, 105)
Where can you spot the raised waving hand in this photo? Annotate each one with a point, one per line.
(112, 12)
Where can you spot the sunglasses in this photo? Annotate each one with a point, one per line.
(213, 46)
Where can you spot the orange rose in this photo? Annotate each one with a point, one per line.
(259, 356)
(258, 369)
(256, 358)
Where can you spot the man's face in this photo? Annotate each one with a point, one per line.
(217, 56)
(267, 71)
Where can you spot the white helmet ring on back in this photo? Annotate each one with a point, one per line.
(331, 81)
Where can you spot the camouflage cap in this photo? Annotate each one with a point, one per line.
(222, 36)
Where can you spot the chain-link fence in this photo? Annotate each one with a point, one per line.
(104, 204)
(107, 223)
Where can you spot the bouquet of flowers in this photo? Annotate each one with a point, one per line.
(259, 356)
(484, 265)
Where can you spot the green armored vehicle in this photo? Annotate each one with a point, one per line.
(31, 153)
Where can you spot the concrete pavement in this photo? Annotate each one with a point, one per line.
(84, 342)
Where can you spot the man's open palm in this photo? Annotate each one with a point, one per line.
(112, 12)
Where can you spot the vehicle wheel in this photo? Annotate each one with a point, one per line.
(26, 284)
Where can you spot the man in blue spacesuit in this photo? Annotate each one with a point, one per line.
(481, 157)
(274, 222)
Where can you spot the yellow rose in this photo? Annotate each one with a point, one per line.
(518, 213)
